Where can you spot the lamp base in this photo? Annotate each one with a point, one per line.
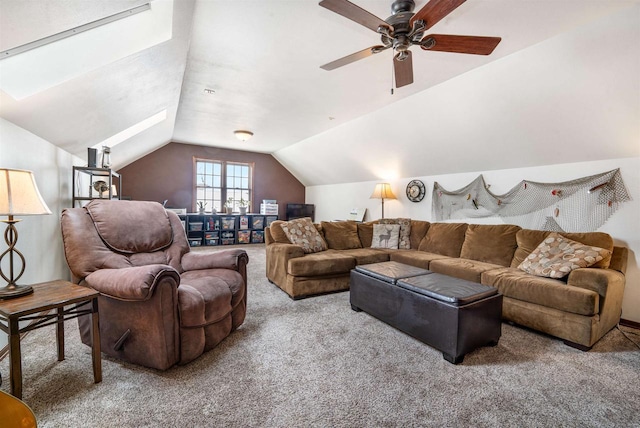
(12, 291)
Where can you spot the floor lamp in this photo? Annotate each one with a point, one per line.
(382, 191)
(19, 195)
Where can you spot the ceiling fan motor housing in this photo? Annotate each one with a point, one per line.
(400, 21)
(402, 6)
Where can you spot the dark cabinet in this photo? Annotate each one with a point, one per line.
(221, 229)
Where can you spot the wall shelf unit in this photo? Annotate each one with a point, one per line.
(225, 229)
(84, 178)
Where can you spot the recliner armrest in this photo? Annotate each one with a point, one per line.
(227, 259)
(131, 283)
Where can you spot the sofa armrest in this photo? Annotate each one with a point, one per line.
(228, 259)
(595, 279)
(132, 283)
(278, 256)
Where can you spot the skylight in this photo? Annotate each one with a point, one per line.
(36, 70)
(132, 130)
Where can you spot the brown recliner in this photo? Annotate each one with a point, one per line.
(159, 303)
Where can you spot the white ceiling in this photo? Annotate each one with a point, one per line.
(262, 59)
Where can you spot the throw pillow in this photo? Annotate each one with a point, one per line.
(303, 233)
(556, 256)
(405, 231)
(385, 236)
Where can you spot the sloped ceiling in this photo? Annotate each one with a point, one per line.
(261, 59)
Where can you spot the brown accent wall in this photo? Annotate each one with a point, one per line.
(167, 173)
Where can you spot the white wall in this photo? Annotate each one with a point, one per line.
(336, 200)
(39, 237)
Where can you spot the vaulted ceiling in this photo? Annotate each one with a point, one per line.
(139, 83)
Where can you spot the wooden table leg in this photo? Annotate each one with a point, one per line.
(60, 334)
(15, 370)
(95, 342)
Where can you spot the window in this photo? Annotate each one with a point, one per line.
(216, 182)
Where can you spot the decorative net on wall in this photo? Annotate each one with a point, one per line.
(580, 205)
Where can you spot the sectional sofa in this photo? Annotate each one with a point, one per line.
(579, 308)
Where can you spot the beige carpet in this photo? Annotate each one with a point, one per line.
(316, 363)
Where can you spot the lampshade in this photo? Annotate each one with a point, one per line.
(382, 191)
(19, 194)
(243, 135)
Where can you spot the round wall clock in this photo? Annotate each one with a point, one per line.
(415, 190)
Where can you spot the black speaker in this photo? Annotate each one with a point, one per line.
(92, 157)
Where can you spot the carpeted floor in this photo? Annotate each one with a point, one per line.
(316, 363)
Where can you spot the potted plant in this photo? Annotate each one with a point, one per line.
(243, 205)
(229, 205)
(201, 206)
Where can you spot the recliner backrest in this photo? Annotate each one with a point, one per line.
(119, 234)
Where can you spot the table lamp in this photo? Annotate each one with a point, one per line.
(382, 191)
(19, 196)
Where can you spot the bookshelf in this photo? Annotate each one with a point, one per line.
(86, 176)
(225, 229)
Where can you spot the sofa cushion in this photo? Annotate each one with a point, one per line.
(341, 235)
(471, 270)
(365, 233)
(552, 293)
(418, 231)
(365, 256)
(303, 233)
(404, 240)
(528, 240)
(328, 262)
(444, 238)
(385, 236)
(490, 243)
(556, 256)
(415, 258)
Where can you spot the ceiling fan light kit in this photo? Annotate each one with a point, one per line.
(404, 29)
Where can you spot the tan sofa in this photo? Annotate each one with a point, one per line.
(579, 308)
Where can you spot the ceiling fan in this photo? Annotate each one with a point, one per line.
(404, 29)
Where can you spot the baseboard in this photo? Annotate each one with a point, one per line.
(631, 324)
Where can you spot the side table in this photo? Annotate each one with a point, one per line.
(34, 308)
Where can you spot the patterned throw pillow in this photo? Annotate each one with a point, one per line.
(556, 256)
(405, 230)
(303, 233)
(385, 236)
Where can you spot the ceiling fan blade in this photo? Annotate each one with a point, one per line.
(354, 13)
(435, 10)
(477, 45)
(354, 57)
(403, 70)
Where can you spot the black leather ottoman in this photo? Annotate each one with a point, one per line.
(450, 314)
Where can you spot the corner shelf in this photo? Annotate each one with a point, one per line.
(112, 178)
